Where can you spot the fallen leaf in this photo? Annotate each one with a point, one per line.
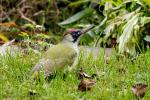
(139, 90)
(86, 84)
(82, 74)
(9, 24)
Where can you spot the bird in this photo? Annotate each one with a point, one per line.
(62, 54)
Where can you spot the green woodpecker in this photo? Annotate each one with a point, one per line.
(62, 54)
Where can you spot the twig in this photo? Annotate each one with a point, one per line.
(21, 2)
(25, 18)
(56, 7)
(38, 13)
(7, 14)
(26, 7)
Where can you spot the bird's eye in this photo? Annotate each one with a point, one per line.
(75, 35)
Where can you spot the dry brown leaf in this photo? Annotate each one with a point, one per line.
(139, 90)
(86, 84)
(82, 74)
(9, 24)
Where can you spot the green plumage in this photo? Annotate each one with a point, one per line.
(62, 54)
(60, 51)
(55, 58)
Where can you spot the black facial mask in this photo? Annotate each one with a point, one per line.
(76, 35)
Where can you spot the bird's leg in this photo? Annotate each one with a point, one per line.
(73, 65)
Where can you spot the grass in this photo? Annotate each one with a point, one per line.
(113, 83)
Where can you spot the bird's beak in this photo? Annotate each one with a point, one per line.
(87, 29)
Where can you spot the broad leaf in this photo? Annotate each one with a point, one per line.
(109, 29)
(77, 16)
(76, 3)
(145, 20)
(147, 38)
(125, 40)
(147, 2)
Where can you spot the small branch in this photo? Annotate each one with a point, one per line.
(56, 7)
(21, 2)
(38, 13)
(7, 14)
(26, 18)
(26, 7)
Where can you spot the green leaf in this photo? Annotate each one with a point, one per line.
(128, 16)
(147, 2)
(125, 40)
(145, 20)
(147, 38)
(108, 5)
(109, 29)
(77, 16)
(76, 3)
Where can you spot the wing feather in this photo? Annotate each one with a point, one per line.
(56, 58)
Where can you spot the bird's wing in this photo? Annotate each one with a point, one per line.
(60, 51)
(55, 58)
(61, 55)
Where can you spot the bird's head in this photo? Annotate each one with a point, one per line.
(73, 35)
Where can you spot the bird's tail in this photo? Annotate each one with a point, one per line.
(34, 72)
